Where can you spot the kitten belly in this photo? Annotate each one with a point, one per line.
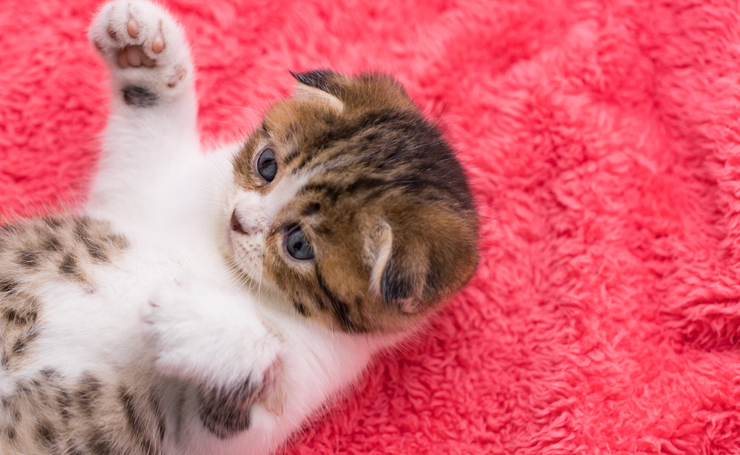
(75, 377)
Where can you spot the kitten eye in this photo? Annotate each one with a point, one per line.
(266, 165)
(297, 246)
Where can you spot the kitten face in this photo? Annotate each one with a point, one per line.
(352, 205)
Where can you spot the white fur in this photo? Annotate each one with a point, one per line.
(173, 303)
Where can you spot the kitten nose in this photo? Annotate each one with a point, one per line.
(252, 226)
(236, 225)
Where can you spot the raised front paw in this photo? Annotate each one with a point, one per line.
(197, 331)
(145, 49)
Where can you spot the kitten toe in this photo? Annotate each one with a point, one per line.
(158, 43)
(144, 48)
(133, 28)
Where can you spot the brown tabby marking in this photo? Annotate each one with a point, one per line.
(52, 414)
(43, 412)
(65, 246)
(388, 211)
(226, 411)
(39, 251)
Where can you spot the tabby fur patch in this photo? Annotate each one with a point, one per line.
(46, 412)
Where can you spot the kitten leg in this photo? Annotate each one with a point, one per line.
(216, 339)
(152, 124)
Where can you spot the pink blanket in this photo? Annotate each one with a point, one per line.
(603, 145)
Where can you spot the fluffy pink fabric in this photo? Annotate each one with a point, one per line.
(602, 142)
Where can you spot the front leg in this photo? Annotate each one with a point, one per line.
(216, 339)
(152, 124)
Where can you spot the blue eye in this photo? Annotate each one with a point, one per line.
(296, 244)
(266, 165)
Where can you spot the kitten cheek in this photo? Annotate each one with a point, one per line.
(248, 253)
(269, 264)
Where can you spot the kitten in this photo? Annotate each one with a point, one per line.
(212, 303)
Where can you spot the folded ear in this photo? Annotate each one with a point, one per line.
(412, 274)
(320, 85)
(392, 278)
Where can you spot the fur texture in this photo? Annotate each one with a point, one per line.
(602, 142)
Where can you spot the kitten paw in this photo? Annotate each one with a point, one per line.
(144, 48)
(199, 332)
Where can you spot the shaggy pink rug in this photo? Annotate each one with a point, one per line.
(602, 141)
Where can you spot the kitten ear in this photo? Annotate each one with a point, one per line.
(323, 79)
(423, 269)
(321, 85)
(392, 278)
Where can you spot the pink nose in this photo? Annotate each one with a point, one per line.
(236, 225)
(253, 224)
(252, 228)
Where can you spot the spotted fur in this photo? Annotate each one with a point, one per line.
(44, 251)
(47, 411)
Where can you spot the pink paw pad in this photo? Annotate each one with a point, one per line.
(135, 55)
